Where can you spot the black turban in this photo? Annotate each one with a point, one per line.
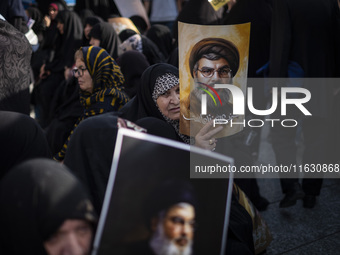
(219, 46)
(168, 194)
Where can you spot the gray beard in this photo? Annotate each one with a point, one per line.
(161, 245)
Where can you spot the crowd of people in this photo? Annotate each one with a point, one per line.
(90, 80)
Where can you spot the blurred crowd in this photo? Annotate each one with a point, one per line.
(72, 76)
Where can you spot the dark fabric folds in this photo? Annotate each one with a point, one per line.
(132, 64)
(142, 105)
(108, 37)
(21, 139)
(36, 197)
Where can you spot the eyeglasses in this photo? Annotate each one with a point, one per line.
(79, 71)
(224, 72)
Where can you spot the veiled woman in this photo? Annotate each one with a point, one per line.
(158, 97)
(101, 83)
(44, 210)
(103, 35)
(52, 73)
(133, 64)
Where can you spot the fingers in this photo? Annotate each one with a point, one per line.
(205, 137)
(213, 132)
(208, 131)
(206, 128)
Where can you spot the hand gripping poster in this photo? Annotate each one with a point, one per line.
(213, 65)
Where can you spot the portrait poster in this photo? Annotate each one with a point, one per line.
(232, 43)
(143, 167)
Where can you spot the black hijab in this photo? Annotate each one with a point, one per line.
(108, 37)
(198, 12)
(90, 20)
(36, 197)
(142, 105)
(21, 139)
(140, 23)
(89, 154)
(84, 14)
(161, 36)
(71, 40)
(102, 8)
(132, 64)
(90, 150)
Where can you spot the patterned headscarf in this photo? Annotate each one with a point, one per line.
(108, 81)
(153, 84)
(164, 83)
(15, 55)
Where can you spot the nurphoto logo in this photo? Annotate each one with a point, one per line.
(238, 106)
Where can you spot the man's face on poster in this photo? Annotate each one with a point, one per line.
(175, 231)
(213, 72)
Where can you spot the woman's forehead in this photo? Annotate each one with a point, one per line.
(80, 62)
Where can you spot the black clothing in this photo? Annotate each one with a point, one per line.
(151, 51)
(161, 36)
(21, 139)
(173, 58)
(91, 160)
(70, 41)
(240, 239)
(38, 26)
(140, 23)
(139, 248)
(108, 37)
(91, 147)
(36, 197)
(132, 64)
(84, 14)
(43, 5)
(259, 13)
(65, 111)
(142, 105)
(309, 34)
(149, 48)
(101, 8)
(198, 12)
(91, 20)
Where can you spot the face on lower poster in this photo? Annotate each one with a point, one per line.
(152, 206)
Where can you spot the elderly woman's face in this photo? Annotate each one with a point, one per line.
(168, 103)
(84, 78)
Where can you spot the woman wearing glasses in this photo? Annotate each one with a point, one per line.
(100, 81)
